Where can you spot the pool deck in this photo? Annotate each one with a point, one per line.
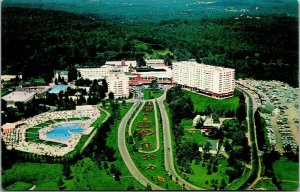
(21, 144)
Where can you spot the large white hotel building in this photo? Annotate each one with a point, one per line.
(210, 80)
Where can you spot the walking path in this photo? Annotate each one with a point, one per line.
(95, 131)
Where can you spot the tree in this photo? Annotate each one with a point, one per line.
(154, 84)
(60, 184)
(55, 81)
(207, 147)
(148, 187)
(84, 172)
(223, 184)
(241, 113)
(20, 106)
(130, 187)
(105, 85)
(67, 171)
(72, 75)
(111, 95)
(208, 110)
(208, 168)
(105, 165)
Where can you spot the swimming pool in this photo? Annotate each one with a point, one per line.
(63, 132)
(57, 88)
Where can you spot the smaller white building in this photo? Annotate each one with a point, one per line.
(9, 77)
(92, 73)
(118, 84)
(155, 62)
(18, 96)
(122, 62)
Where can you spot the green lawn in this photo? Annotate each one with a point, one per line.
(192, 135)
(201, 102)
(49, 122)
(199, 177)
(44, 176)
(74, 119)
(152, 94)
(59, 120)
(265, 184)
(18, 186)
(286, 185)
(195, 136)
(287, 171)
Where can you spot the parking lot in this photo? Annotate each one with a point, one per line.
(280, 105)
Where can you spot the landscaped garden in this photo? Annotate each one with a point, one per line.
(151, 165)
(152, 93)
(144, 130)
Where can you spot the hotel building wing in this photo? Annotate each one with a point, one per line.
(210, 80)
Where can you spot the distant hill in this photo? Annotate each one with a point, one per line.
(262, 47)
(156, 10)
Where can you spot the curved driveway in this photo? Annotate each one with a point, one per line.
(168, 154)
(124, 152)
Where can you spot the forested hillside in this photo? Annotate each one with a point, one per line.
(36, 42)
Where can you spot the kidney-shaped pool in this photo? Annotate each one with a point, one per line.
(63, 132)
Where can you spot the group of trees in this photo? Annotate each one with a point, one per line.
(262, 142)
(22, 110)
(248, 45)
(238, 150)
(60, 80)
(181, 107)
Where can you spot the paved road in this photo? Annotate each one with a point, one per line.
(124, 152)
(168, 154)
(251, 107)
(32, 188)
(132, 120)
(95, 131)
